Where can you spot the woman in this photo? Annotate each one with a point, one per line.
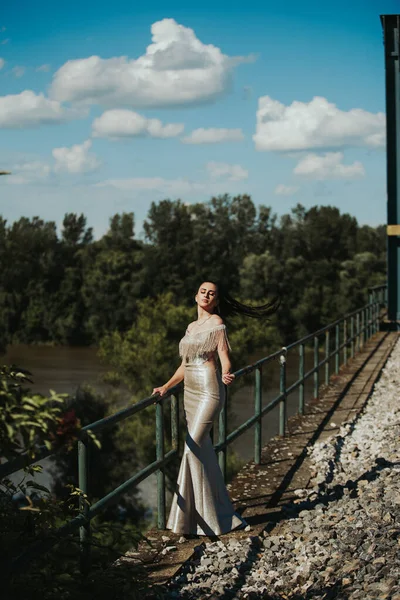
(201, 505)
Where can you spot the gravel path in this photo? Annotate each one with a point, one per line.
(340, 538)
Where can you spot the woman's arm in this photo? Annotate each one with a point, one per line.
(223, 354)
(176, 378)
(227, 376)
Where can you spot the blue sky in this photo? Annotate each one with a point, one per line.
(105, 108)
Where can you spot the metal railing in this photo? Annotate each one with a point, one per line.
(340, 339)
(350, 334)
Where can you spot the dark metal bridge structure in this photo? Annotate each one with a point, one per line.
(332, 349)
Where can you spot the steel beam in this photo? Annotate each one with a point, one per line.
(391, 28)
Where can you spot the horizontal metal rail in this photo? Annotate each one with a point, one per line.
(43, 452)
(350, 333)
(371, 317)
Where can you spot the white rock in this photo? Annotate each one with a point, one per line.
(168, 549)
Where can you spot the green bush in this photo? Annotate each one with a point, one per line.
(31, 514)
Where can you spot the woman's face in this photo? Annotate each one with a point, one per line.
(207, 296)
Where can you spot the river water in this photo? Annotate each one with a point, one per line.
(63, 369)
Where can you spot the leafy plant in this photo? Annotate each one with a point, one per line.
(30, 421)
(30, 514)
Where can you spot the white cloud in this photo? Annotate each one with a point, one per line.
(213, 136)
(28, 109)
(4, 42)
(29, 172)
(176, 69)
(316, 124)
(2, 63)
(285, 190)
(232, 172)
(43, 68)
(76, 159)
(121, 123)
(180, 186)
(18, 71)
(328, 166)
(159, 184)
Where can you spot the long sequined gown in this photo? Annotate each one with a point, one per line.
(201, 503)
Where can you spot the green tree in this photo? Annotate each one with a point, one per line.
(364, 270)
(112, 279)
(66, 308)
(27, 276)
(75, 290)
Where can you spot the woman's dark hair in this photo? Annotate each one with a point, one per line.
(228, 306)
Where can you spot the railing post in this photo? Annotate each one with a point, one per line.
(358, 332)
(84, 531)
(301, 379)
(337, 345)
(370, 330)
(175, 421)
(369, 322)
(161, 471)
(282, 388)
(327, 356)
(222, 431)
(378, 317)
(345, 342)
(352, 345)
(257, 413)
(363, 328)
(371, 313)
(316, 366)
(372, 320)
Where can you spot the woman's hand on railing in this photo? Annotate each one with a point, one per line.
(160, 390)
(227, 378)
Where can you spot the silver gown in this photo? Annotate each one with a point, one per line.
(201, 503)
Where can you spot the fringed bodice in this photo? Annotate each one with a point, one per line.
(203, 344)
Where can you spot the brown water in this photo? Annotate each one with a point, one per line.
(61, 368)
(64, 369)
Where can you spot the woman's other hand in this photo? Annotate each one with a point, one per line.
(227, 378)
(160, 390)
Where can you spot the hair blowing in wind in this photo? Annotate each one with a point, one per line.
(228, 306)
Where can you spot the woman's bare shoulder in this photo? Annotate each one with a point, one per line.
(216, 320)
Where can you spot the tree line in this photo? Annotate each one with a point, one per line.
(73, 289)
